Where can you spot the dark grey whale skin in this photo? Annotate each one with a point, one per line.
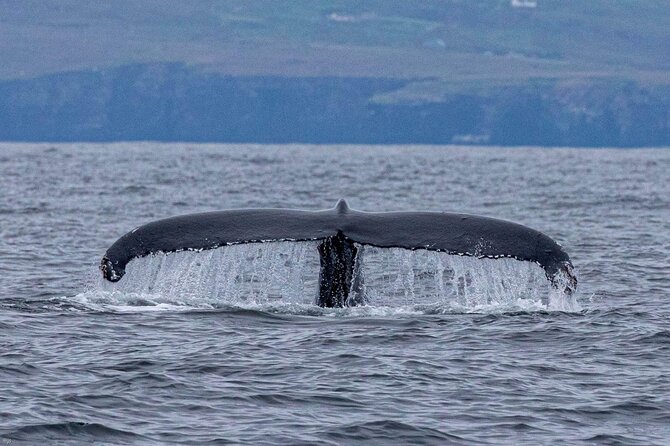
(459, 234)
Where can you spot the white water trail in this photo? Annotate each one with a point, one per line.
(283, 276)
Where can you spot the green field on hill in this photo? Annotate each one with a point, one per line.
(454, 40)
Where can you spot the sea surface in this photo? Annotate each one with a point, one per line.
(227, 346)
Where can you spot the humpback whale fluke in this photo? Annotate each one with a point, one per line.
(342, 232)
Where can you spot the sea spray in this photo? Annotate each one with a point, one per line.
(285, 274)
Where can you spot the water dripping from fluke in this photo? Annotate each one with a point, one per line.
(339, 258)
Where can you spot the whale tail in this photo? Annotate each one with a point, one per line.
(342, 233)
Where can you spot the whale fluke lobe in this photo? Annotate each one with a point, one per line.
(342, 233)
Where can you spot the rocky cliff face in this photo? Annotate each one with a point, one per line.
(178, 102)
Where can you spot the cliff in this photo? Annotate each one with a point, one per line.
(180, 102)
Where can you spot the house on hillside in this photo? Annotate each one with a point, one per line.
(523, 3)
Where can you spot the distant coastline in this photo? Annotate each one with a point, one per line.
(179, 102)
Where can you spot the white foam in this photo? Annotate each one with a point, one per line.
(283, 277)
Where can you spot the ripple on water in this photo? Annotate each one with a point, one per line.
(181, 357)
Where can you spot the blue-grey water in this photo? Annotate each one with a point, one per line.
(226, 346)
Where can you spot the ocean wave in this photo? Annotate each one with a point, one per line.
(69, 430)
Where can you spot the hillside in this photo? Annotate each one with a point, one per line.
(594, 73)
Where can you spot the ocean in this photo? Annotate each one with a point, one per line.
(227, 346)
